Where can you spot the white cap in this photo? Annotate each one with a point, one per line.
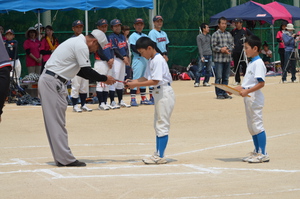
(290, 27)
(100, 36)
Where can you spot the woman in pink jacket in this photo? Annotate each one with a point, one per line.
(32, 49)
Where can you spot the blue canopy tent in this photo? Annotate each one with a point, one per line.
(39, 6)
(251, 11)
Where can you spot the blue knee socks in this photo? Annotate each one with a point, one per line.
(260, 141)
(255, 141)
(161, 144)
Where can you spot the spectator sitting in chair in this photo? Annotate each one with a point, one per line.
(192, 69)
(266, 56)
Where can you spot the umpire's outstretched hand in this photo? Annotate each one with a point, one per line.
(110, 80)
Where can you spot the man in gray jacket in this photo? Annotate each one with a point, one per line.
(205, 55)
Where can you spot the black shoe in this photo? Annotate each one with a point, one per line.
(227, 97)
(220, 97)
(73, 164)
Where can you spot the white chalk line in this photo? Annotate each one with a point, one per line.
(140, 155)
(241, 194)
(198, 170)
(226, 145)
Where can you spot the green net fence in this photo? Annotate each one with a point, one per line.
(182, 19)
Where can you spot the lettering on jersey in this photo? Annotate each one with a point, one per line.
(250, 72)
(161, 39)
(122, 44)
(108, 45)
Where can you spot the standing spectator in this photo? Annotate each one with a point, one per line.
(80, 85)
(5, 69)
(12, 49)
(161, 39)
(289, 53)
(1, 32)
(239, 35)
(40, 30)
(281, 43)
(32, 49)
(205, 54)
(222, 45)
(139, 63)
(48, 44)
(121, 59)
(104, 59)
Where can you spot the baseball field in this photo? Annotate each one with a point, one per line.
(207, 142)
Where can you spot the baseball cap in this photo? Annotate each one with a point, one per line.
(100, 36)
(36, 26)
(101, 22)
(157, 17)
(10, 31)
(115, 22)
(238, 20)
(138, 20)
(77, 22)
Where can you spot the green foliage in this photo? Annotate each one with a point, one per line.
(182, 19)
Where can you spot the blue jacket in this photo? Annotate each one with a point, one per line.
(289, 41)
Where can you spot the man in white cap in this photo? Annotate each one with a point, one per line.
(69, 59)
(289, 53)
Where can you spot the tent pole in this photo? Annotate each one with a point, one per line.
(39, 27)
(86, 22)
(152, 13)
(273, 40)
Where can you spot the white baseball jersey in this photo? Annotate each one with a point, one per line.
(164, 97)
(76, 57)
(160, 38)
(158, 69)
(254, 104)
(255, 69)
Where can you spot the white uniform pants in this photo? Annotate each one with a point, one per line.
(118, 74)
(253, 107)
(79, 85)
(18, 68)
(102, 68)
(164, 104)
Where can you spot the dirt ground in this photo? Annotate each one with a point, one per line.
(208, 139)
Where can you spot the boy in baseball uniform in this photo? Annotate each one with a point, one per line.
(80, 86)
(104, 59)
(157, 75)
(161, 39)
(253, 81)
(139, 63)
(119, 46)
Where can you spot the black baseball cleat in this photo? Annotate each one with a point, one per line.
(73, 164)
